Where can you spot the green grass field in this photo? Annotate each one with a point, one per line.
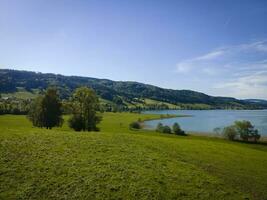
(117, 163)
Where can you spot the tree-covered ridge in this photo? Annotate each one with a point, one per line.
(123, 93)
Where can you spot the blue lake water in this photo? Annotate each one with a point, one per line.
(207, 120)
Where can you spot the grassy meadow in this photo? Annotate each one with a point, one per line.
(118, 163)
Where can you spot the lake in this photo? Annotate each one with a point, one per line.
(207, 120)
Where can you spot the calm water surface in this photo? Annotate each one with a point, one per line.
(207, 120)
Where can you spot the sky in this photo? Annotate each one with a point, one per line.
(218, 47)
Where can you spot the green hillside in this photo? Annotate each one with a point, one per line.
(117, 163)
(124, 94)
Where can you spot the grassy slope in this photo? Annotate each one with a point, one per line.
(120, 164)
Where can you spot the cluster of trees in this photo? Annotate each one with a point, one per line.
(241, 130)
(46, 110)
(14, 106)
(176, 129)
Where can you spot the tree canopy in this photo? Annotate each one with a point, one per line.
(46, 110)
(85, 104)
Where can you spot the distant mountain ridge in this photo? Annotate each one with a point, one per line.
(256, 100)
(123, 92)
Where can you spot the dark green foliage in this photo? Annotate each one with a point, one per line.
(117, 100)
(166, 129)
(76, 122)
(163, 129)
(135, 125)
(46, 110)
(85, 105)
(230, 132)
(247, 131)
(177, 129)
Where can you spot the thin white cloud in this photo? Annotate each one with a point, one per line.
(249, 86)
(188, 65)
(211, 55)
(260, 46)
(239, 71)
(224, 56)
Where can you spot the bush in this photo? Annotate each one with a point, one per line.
(135, 125)
(247, 131)
(75, 122)
(177, 129)
(230, 132)
(163, 129)
(166, 129)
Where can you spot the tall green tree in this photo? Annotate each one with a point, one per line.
(46, 110)
(85, 106)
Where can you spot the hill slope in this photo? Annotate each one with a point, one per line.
(117, 163)
(119, 92)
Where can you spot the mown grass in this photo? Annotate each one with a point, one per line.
(118, 163)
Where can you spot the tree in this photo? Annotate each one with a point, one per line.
(177, 129)
(166, 129)
(247, 131)
(84, 109)
(46, 111)
(117, 100)
(230, 132)
(159, 127)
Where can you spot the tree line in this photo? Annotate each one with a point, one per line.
(176, 129)
(46, 110)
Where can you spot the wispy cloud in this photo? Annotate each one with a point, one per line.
(211, 55)
(239, 70)
(254, 85)
(226, 57)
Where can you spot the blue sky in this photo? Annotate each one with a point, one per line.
(216, 47)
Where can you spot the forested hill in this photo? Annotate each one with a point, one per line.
(119, 92)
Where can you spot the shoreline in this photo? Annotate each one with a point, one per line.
(190, 133)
